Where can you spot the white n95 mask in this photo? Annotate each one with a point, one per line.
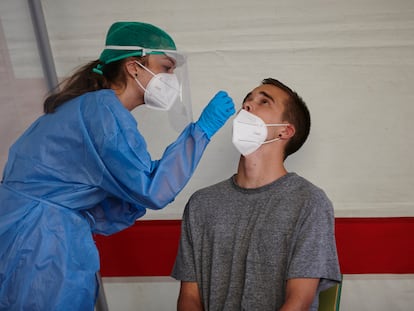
(250, 132)
(162, 90)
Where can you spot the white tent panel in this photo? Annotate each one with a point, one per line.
(352, 61)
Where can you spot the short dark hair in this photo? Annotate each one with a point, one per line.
(295, 112)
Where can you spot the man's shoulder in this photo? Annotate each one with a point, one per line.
(301, 186)
(215, 187)
(302, 182)
(213, 190)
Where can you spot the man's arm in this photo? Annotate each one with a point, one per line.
(189, 298)
(300, 294)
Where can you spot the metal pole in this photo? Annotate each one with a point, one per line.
(49, 70)
(43, 43)
(101, 304)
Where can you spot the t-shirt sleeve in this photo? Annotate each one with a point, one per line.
(184, 267)
(314, 252)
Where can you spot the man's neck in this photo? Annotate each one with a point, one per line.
(256, 170)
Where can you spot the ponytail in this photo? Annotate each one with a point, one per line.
(82, 81)
(93, 76)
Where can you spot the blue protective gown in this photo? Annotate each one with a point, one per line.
(81, 170)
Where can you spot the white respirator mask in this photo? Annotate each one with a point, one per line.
(250, 132)
(162, 90)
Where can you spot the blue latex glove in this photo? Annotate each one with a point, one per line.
(216, 113)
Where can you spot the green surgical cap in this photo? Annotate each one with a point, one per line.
(134, 34)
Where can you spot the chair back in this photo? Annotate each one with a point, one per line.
(329, 299)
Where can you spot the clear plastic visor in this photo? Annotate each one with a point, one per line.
(180, 114)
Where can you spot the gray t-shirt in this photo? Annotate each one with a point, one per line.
(242, 245)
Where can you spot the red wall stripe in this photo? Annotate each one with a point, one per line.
(375, 245)
(365, 245)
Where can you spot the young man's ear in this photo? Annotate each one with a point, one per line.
(287, 132)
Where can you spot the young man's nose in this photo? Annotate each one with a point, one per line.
(248, 106)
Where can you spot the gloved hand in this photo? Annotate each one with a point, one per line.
(216, 113)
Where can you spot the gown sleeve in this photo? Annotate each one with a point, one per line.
(133, 176)
(133, 179)
(112, 215)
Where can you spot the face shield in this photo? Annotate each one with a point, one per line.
(160, 128)
(180, 114)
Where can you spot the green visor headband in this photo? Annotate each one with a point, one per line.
(129, 51)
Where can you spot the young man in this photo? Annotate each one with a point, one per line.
(263, 239)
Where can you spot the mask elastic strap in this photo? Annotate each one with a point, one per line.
(136, 79)
(140, 85)
(274, 139)
(271, 141)
(277, 124)
(142, 66)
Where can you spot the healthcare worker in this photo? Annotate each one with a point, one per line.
(83, 168)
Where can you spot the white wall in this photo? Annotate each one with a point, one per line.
(359, 293)
(352, 61)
